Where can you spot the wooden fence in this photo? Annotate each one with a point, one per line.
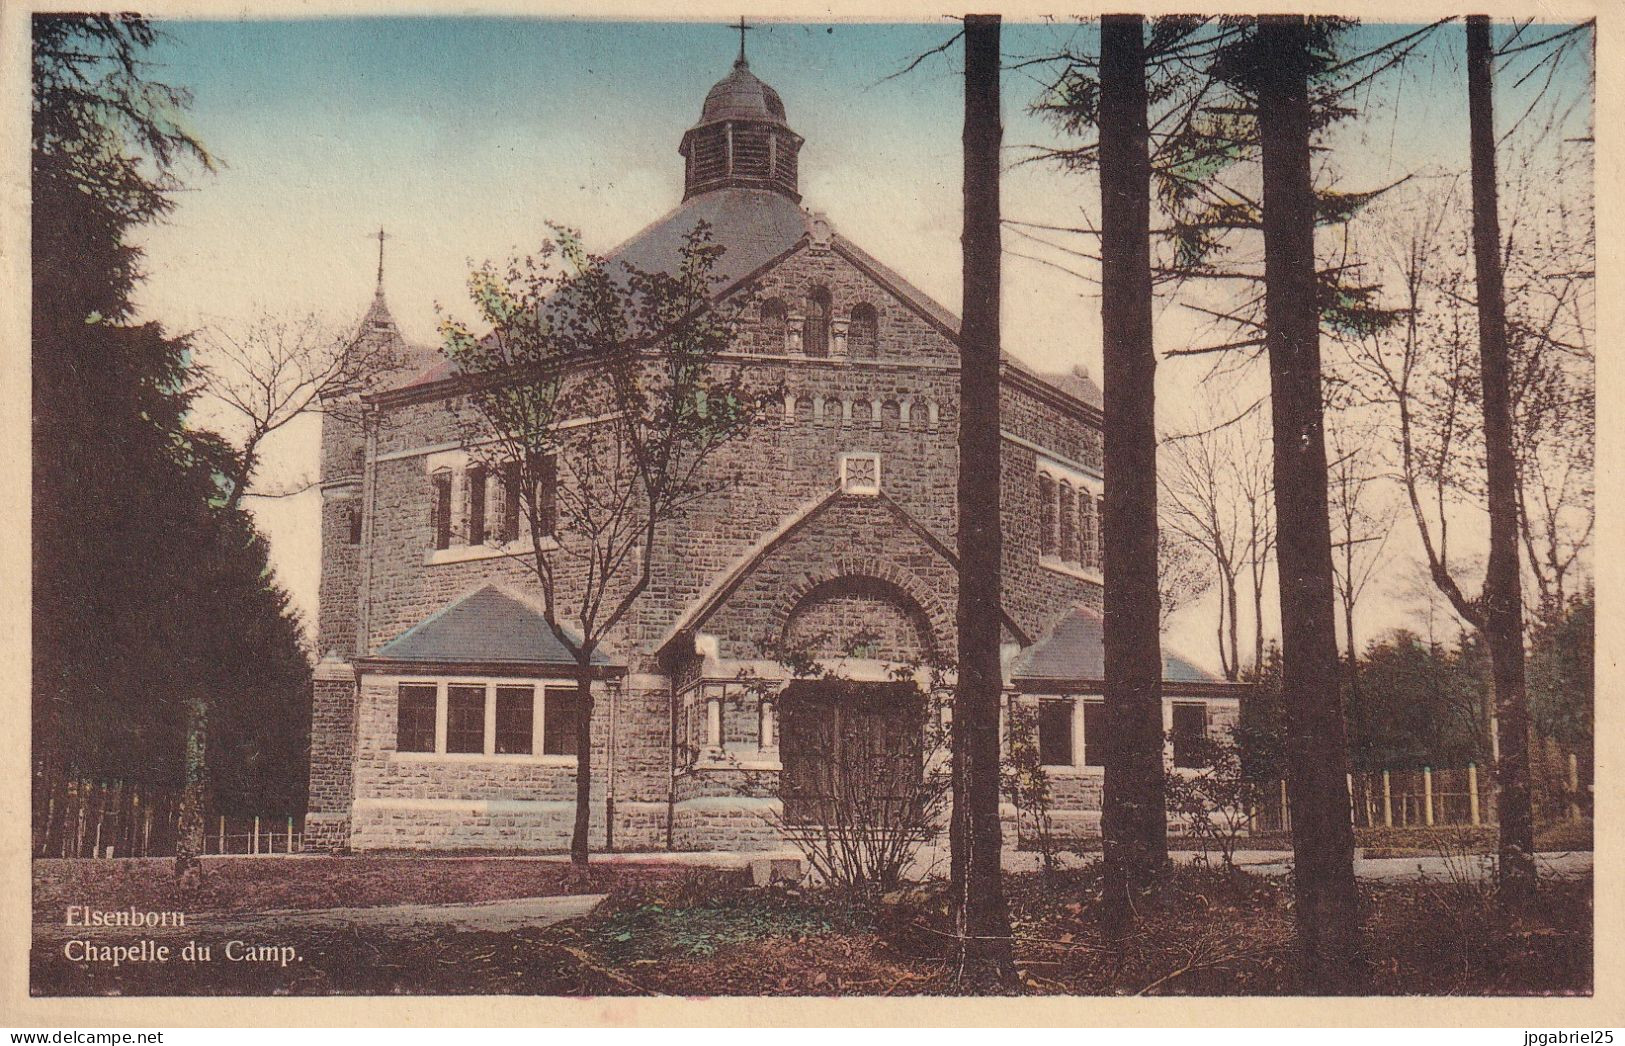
(111, 819)
(1427, 798)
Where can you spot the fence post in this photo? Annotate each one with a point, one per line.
(1286, 809)
(1427, 796)
(1574, 787)
(256, 833)
(290, 833)
(1472, 793)
(222, 847)
(1387, 801)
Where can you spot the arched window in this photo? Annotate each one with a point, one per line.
(815, 332)
(863, 334)
(1088, 531)
(440, 508)
(1046, 515)
(1069, 526)
(775, 326)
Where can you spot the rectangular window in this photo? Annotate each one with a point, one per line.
(559, 711)
(1055, 733)
(354, 519)
(1094, 733)
(414, 718)
(547, 502)
(510, 501)
(476, 504)
(440, 510)
(465, 719)
(516, 711)
(1046, 515)
(1190, 729)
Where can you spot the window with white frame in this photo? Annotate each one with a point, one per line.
(1068, 519)
(1190, 730)
(476, 510)
(486, 718)
(1071, 732)
(1055, 732)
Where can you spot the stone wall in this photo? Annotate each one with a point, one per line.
(471, 801)
(332, 758)
(1077, 792)
(900, 402)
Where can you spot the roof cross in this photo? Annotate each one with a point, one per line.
(381, 237)
(742, 27)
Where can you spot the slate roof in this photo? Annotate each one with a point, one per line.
(410, 360)
(487, 626)
(742, 96)
(1074, 648)
(755, 225)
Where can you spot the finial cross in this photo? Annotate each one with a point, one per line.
(742, 27)
(381, 236)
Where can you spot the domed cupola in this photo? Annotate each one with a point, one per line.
(742, 139)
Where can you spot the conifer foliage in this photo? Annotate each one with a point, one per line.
(156, 616)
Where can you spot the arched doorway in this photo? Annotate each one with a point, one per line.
(853, 751)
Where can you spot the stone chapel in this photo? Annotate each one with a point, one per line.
(445, 708)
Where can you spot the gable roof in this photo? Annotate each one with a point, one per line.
(759, 227)
(722, 587)
(488, 626)
(755, 225)
(1074, 650)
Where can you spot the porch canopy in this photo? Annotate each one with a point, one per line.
(489, 631)
(1072, 657)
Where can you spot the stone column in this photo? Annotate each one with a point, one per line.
(713, 723)
(837, 338)
(769, 739)
(332, 757)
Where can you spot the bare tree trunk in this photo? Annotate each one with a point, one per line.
(1503, 598)
(981, 922)
(1327, 908)
(1258, 624)
(189, 828)
(1134, 819)
(1232, 597)
(584, 708)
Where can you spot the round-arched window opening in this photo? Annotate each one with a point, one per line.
(775, 326)
(815, 330)
(863, 333)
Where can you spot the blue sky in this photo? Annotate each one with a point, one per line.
(464, 137)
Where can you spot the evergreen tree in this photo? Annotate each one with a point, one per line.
(151, 602)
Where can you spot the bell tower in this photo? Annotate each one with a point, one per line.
(742, 139)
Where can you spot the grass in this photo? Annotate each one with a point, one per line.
(688, 932)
